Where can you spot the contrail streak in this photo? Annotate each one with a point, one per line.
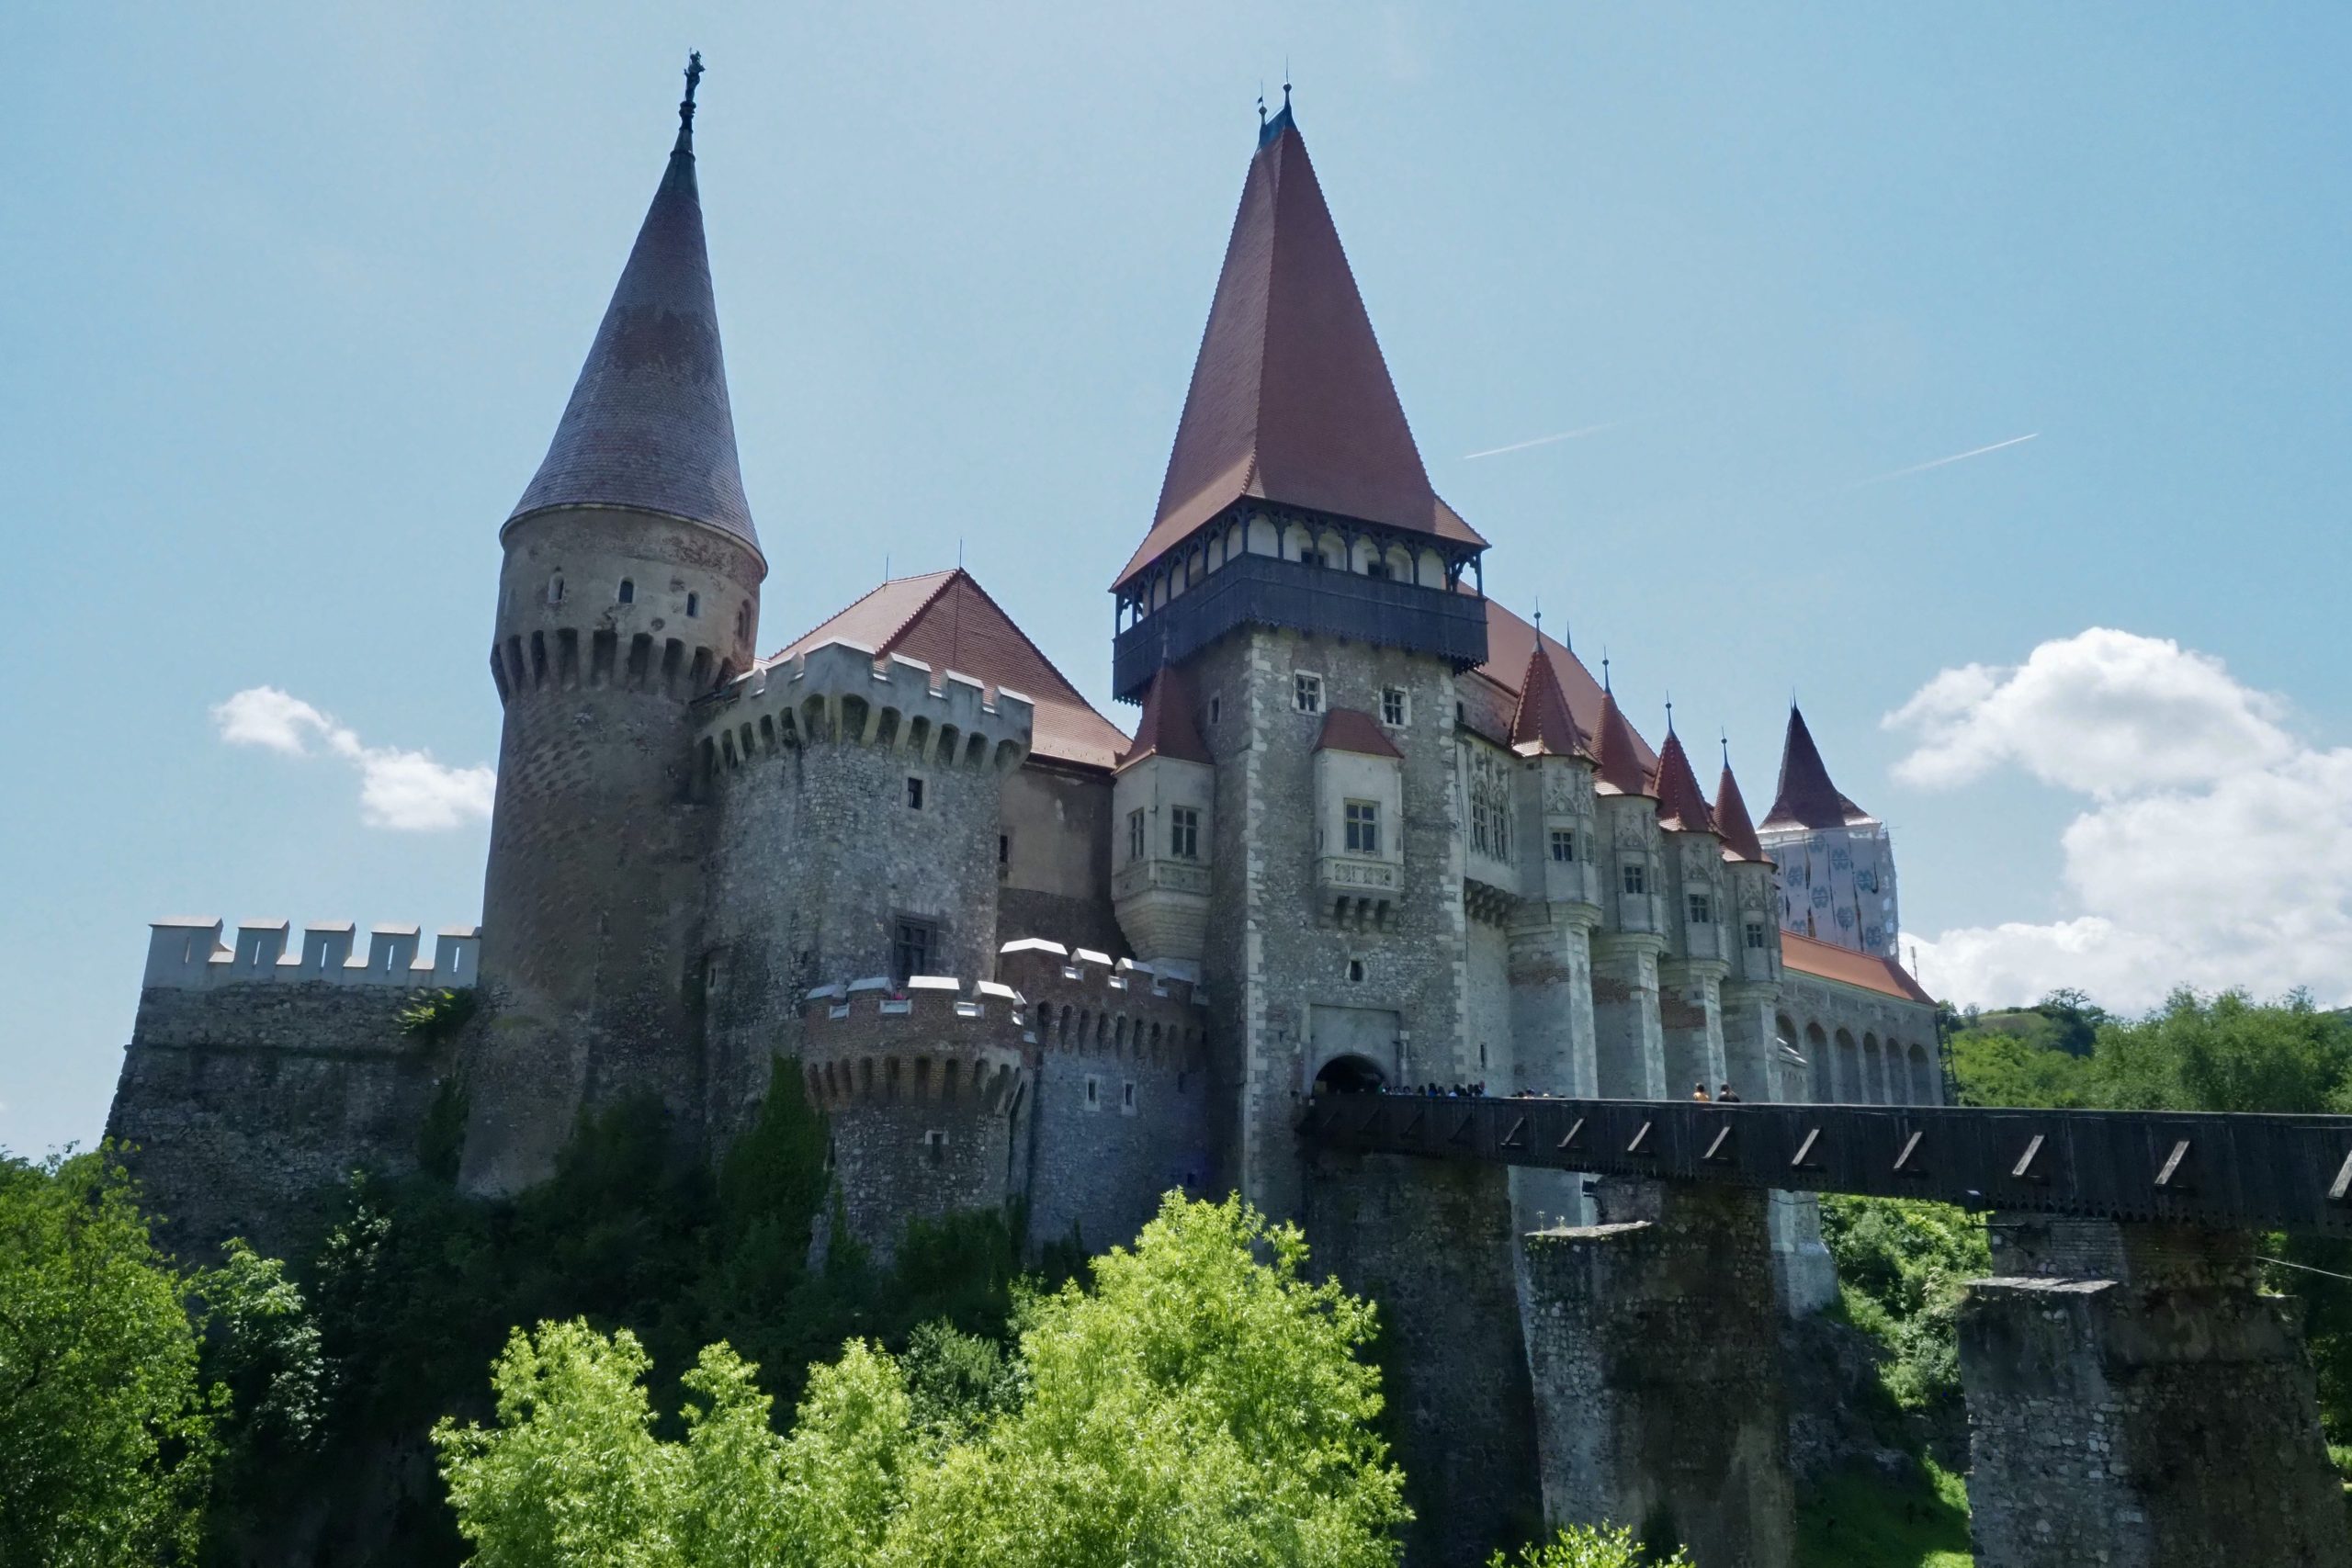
(1940, 462)
(1541, 441)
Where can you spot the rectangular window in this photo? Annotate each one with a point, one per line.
(1702, 911)
(1756, 933)
(1093, 1092)
(915, 944)
(1183, 833)
(1004, 849)
(914, 793)
(1392, 707)
(1363, 828)
(1127, 1098)
(1635, 881)
(1563, 845)
(1306, 693)
(1135, 834)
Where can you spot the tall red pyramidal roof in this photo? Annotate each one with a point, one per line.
(1618, 753)
(1680, 806)
(648, 425)
(1291, 399)
(1731, 822)
(1806, 797)
(1166, 729)
(1543, 726)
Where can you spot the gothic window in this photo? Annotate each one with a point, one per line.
(914, 793)
(1135, 834)
(1306, 693)
(1635, 881)
(1703, 909)
(627, 594)
(1363, 828)
(913, 947)
(1563, 845)
(694, 605)
(1393, 709)
(1183, 833)
(1756, 933)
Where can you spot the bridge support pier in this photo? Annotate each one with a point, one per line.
(1431, 1241)
(1652, 1339)
(2134, 1401)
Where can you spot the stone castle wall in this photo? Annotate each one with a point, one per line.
(248, 1105)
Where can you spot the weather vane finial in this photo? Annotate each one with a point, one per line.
(1604, 670)
(1669, 712)
(686, 104)
(1725, 735)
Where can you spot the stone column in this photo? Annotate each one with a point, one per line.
(1628, 1046)
(1552, 1037)
(1430, 1241)
(1654, 1342)
(1750, 1055)
(1691, 1025)
(2134, 1401)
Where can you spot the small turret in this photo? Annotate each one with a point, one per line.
(629, 588)
(1163, 814)
(1837, 861)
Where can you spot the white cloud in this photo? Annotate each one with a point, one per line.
(399, 789)
(2216, 849)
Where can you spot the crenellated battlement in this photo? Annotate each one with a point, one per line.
(930, 1041)
(188, 955)
(1082, 1001)
(843, 691)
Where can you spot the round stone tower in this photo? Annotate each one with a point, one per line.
(629, 588)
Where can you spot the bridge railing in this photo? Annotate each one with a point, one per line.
(2235, 1172)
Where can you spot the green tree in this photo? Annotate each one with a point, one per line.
(1902, 1267)
(106, 1431)
(1584, 1546)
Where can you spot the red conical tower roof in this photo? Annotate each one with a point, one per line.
(1166, 729)
(1291, 399)
(1806, 797)
(1679, 805)
(1619, 754)
(1543, 726)
(1731, 823)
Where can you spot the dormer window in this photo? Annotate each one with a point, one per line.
(1701, 908)
(1363, 822)
(1636, 881)
(1306, 693)
(1183, 833)
(1395, 707)
(1563, 845)
(1756, 934)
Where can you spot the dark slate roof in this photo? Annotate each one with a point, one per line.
(1352, 730)
(1166, 729)
(1806, 797)
(648, 424)
(1680, 806)
(1291, 399)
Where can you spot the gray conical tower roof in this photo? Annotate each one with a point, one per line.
(648, 424)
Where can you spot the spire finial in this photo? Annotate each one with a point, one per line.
(686, 104)
(1606, 689)
(1539, 619)
(1669, 712)
(1725, 736)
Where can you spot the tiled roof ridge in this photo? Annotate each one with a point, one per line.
(1811, 955)
(1166, 728)
(1680, 806)
(1542, 718)
(1620, 759)
(1352, 730)
(882, 587)
(1026, 641)
(1737, 829)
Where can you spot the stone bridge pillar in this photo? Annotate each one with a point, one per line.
(1654, 1341)
(1431, 1242)
(2134, 1401)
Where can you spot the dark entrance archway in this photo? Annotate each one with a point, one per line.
(1351, 1075)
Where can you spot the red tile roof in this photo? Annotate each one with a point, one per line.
(1543, 726)
(1291, 399)
(1351, 729)
(1167, 727)
(1512, 642)
(1826, 960)
(1680, 806)
(1806, 798)
(947, 620)
(1618, 751)
(1731, 823)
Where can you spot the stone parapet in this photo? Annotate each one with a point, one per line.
(188, 955)
(933, 1041)
(844, 692)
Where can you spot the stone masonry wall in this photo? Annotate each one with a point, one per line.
(247, 1106)
(1431, 1242)
(2133, 1401)
(1653, 1340)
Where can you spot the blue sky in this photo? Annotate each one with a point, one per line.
(291, 302)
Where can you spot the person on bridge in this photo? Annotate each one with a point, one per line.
(1699, 1092)
(1726, 1095)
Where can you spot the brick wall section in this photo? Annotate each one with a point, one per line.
(927, 1094)
(249, 1105)
(1653, 1341)
(1431, 1242)
(2133, 1401)
(1099, 1164)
